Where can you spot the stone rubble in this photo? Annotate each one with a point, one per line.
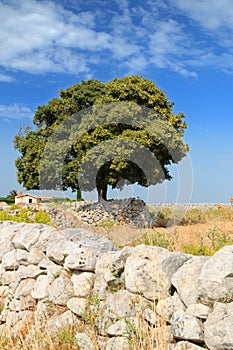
(52, 278)
(129, 210)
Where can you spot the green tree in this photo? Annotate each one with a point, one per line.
(123, 129)
(12, 194)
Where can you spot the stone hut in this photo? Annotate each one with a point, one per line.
(28, 198)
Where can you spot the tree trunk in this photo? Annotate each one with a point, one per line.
(78, 195)
(102, 192)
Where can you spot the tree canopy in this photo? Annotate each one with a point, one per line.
(97, 134)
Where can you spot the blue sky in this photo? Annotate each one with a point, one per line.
(184, 46)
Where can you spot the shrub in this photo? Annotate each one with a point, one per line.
(220, 214)
(5, 216)
(22, 216)
(194, 216)
(42, 218)
(218, 239)
(197, 249)
(154, 238)
(165, 213)
(7, 200)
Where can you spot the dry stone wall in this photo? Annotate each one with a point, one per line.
(56, 278)
(129, 210)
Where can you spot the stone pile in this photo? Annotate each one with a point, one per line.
(129, 210)
(53, 278)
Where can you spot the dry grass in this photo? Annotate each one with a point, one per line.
(214, 232)
(31, 337)
(195, 230)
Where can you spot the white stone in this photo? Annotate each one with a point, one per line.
(186, 327)
(52, 269)
(77, 305)
(184, 345)
(148, 271)
(218, 327)
(29, 271)
(35, 256)
(83, 259)
(7, 232)
(8, 277)
(60, 322)
(25, 288)
(61, 290)
(41, 287)
(216, 277)
(46, 233)
(23, 303)
(120, 305)
(118, 328)
(58, 247)
(185, 280)
(166, 307)
(108, 271)
(84, 342)
(117, 343)
(26, 236)
(199, 310)
(13, 259)
(83, 283)
(87, 239)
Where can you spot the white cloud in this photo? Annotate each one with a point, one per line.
(15, 111)
(211, 14)
(43, 36)
(6, 78)
(40, 37)
(170, 47)
(33, 35)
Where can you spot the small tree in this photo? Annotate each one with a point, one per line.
(12, 194)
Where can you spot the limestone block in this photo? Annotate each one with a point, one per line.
(61, 290)
(25, 288)
(166, 307)
(216, 277)
(199, 310)
(218, 327)
(84, 342)
(117, 343)
(185, 280)
(41, 288)
(29, 271)
(26, 236)
(13, 259)
(184, 345)
(77, 305)
(83, 259)
(148, 271)
(35, 256)
(109, 271)
(186, 327)
(59, 322)
(83, 283)
(58, 247)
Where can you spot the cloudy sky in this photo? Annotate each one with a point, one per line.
(184, 46)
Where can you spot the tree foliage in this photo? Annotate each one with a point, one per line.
(115, 131)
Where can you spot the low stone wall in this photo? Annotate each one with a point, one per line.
(53, 278)
(129, 210)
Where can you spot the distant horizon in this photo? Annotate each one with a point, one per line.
(71, 196)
